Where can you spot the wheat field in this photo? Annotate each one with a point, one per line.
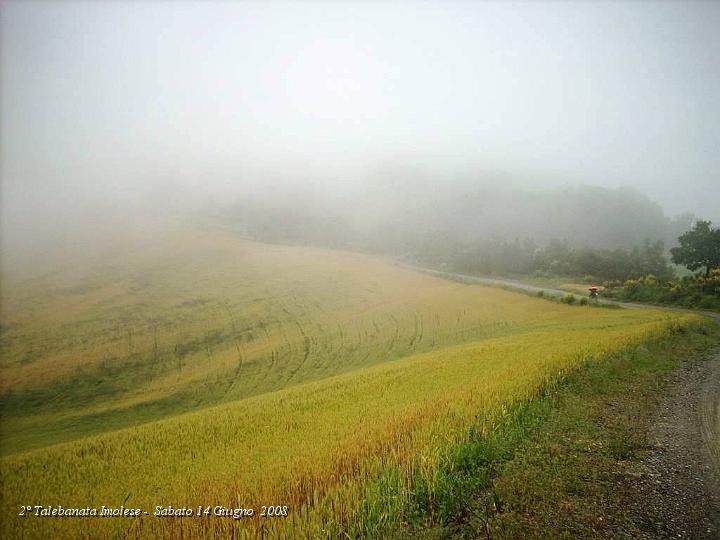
(212, 371)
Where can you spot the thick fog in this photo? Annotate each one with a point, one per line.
(154, 107)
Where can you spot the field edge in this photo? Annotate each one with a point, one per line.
(561, 465)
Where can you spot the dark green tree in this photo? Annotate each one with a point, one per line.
(699, 247)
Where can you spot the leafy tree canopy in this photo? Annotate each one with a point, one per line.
(699, 247)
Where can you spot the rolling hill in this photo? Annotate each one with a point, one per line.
(209, 370)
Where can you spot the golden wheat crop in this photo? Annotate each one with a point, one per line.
(359, 378)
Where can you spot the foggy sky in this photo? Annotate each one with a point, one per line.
(111, 101)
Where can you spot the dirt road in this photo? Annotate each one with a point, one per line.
(516, 285)
(678, 482)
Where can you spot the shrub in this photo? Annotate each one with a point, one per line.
(690, 291)
(649, 280)
(706, 303)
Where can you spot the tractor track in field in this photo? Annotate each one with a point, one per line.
(307, 350)
(677, 483)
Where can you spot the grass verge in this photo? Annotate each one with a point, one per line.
(560, 465)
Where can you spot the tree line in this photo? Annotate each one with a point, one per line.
(698, 249)
(557, 257)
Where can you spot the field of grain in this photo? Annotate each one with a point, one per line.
(215, 371)
(205, 319)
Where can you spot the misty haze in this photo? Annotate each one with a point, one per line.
(359, 269)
